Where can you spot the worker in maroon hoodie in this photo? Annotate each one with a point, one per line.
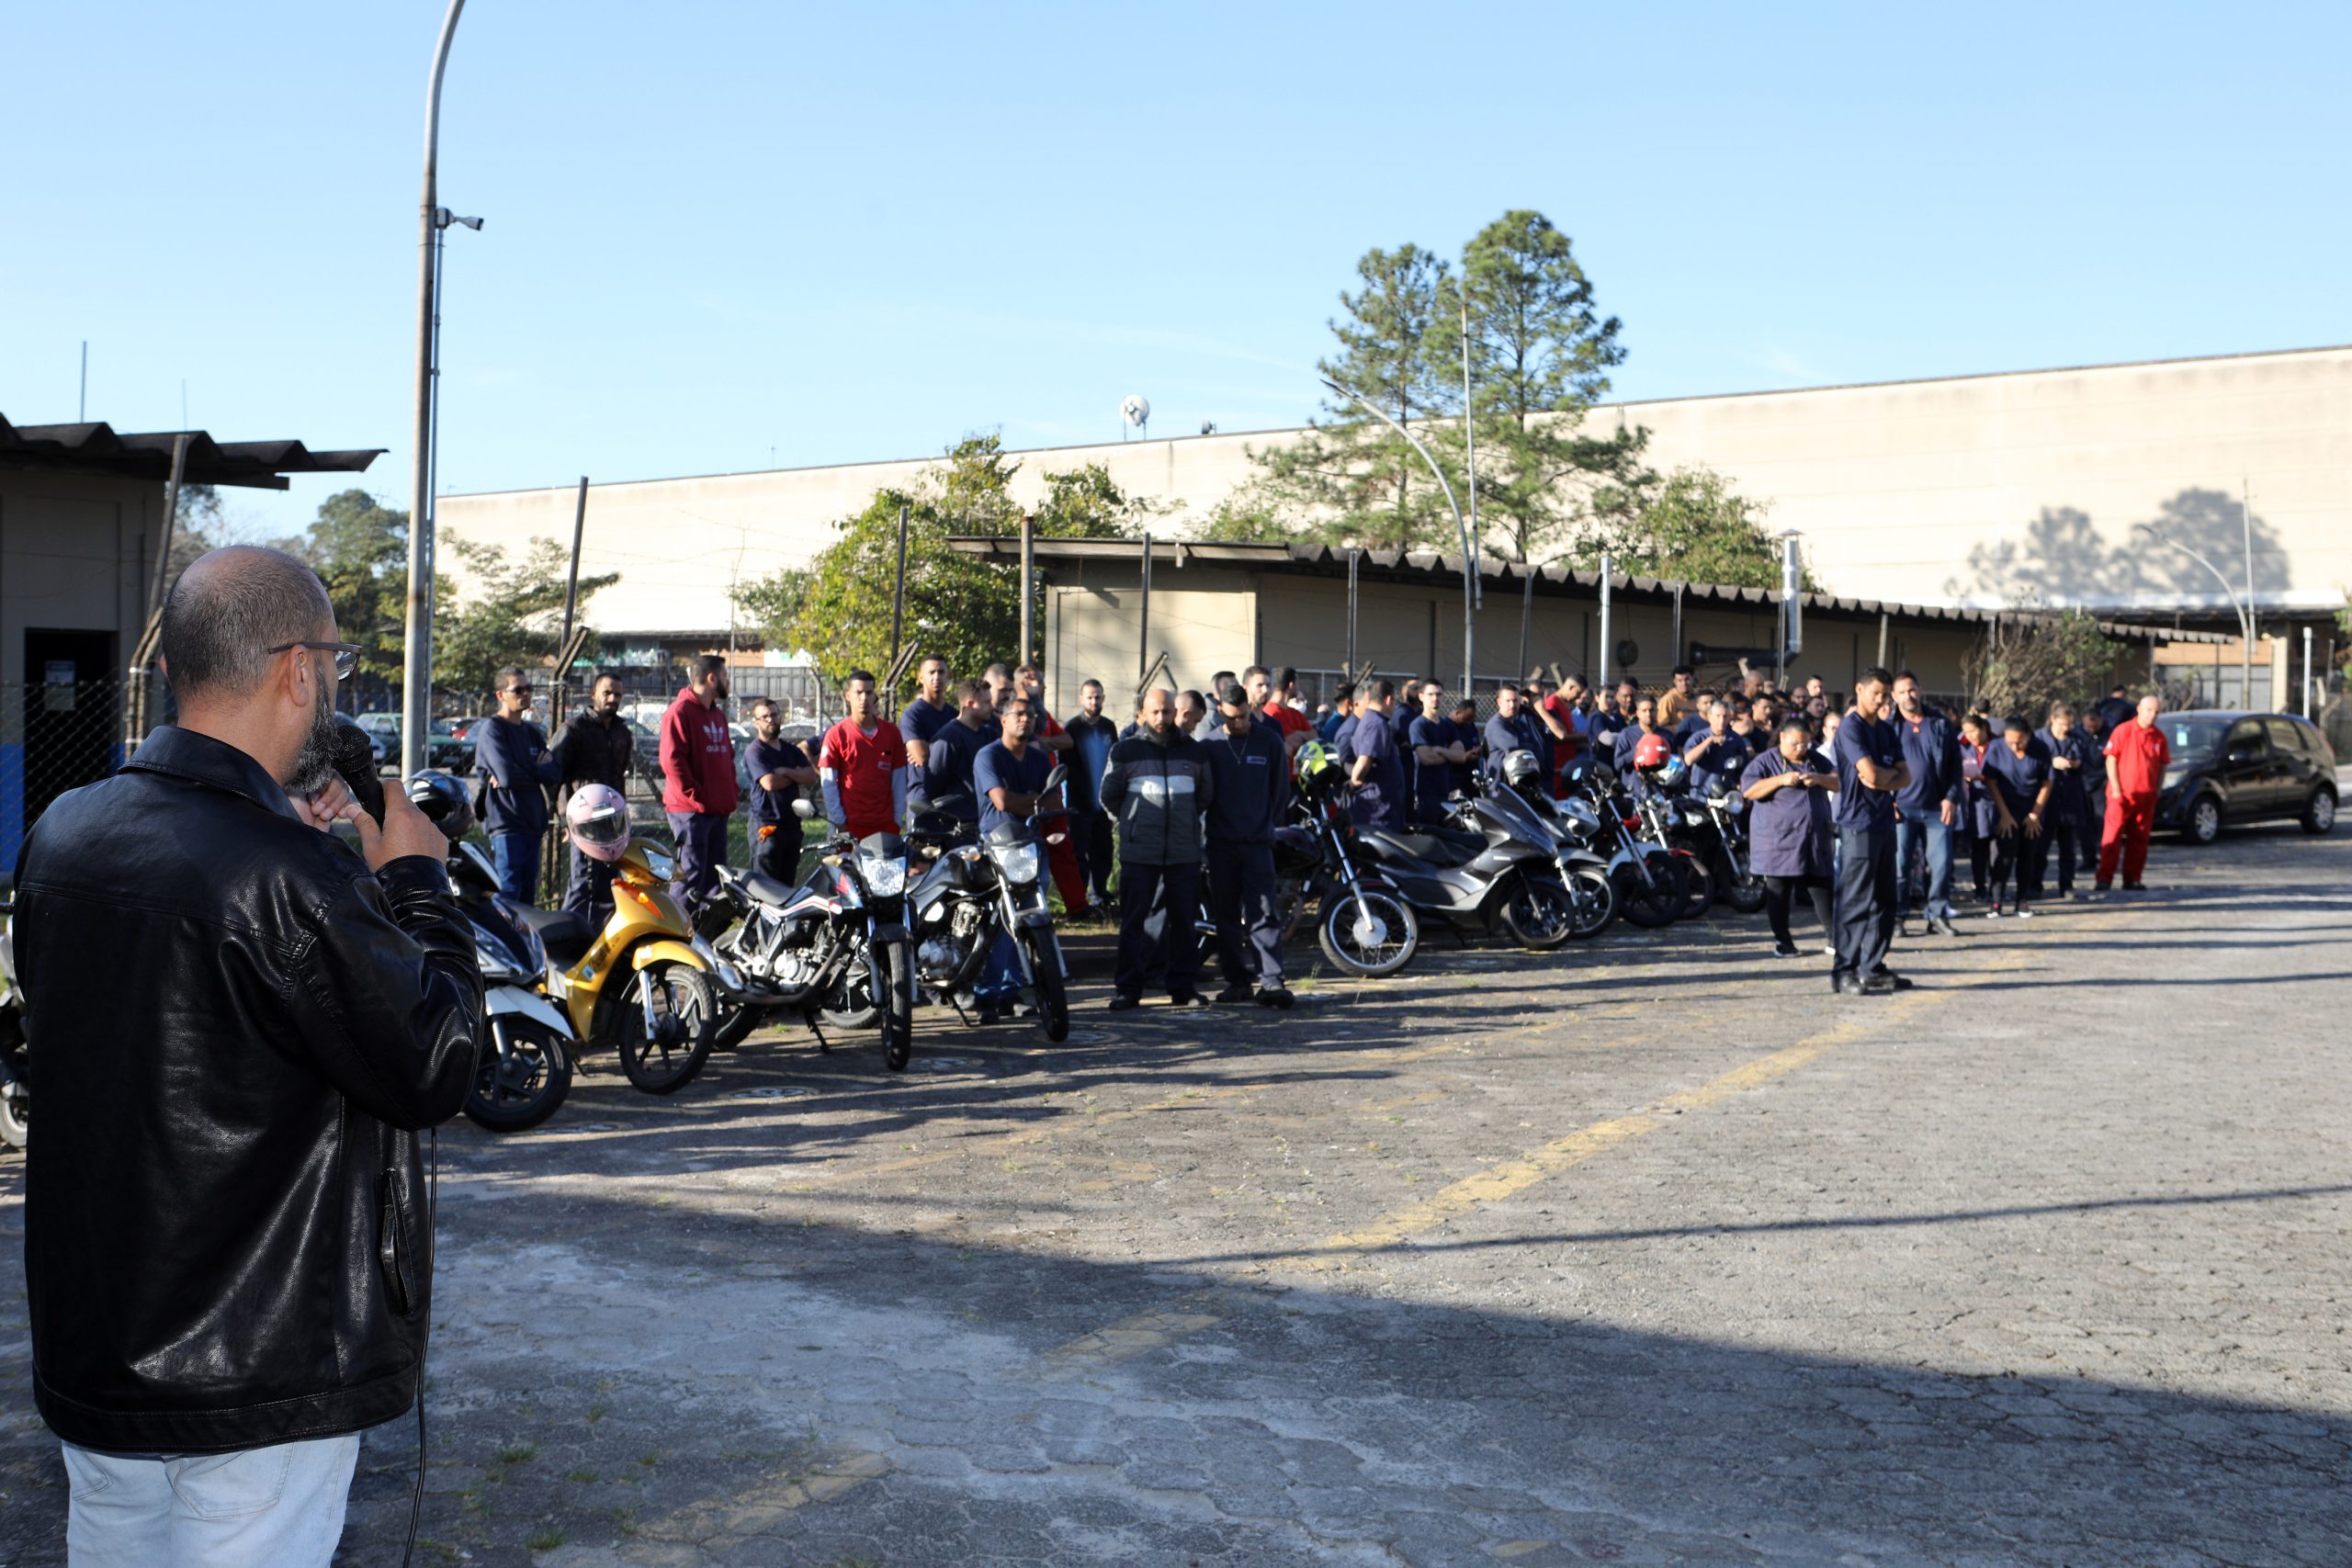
(698, 787)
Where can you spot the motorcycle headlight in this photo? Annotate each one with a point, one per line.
(491, 958)
(1018, 863)
(883, 878)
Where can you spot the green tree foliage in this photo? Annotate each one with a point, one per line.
(514, 614)
(1540, 357)
(772, 604)
(2024, 664)
(1352, 477)
(962, 607)
(1692, 527)
(359, 548)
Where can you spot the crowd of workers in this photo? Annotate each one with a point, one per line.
(1867, 806)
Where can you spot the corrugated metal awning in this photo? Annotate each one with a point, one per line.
(99, 449)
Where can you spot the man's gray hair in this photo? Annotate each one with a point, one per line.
(228, 609)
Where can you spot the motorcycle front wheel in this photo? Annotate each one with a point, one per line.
(1594, 898)
(1743, 893)
(1053, 995)
(856, 999)
(1539, 913)
(686, 1014)
(1368, 932)
(896, 960)
(1698, 879)
(1658, 901)
(517, 1088)
(736, 1026)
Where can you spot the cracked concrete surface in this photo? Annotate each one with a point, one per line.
(1647, 1253)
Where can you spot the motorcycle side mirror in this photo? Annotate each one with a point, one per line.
(802, 809)
(1055, 779)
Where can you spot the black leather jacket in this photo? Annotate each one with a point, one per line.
(237, 1032)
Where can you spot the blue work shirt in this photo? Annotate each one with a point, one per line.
(1726, 759)
(1791, 831)
(1091, 739)
(1687, 733)
(1432, 781)
(2070, 796)
(771, 807)
(1602, 726)
(1931, 750)
(918, 720)
(1251, 780)
(1859, 807)
(1380, 799)
(515, 753)
(995, 767)
(947, 780)
(1469, 737)
(1520, 732)
(2019, 775)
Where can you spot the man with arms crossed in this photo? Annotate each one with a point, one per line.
(1870, 775)
(227, 1255)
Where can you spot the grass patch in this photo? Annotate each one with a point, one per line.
(518, 1453)
(546, 1540)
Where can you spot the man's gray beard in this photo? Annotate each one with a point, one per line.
(314, 764)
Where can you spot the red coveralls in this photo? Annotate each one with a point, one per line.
(2141, 755)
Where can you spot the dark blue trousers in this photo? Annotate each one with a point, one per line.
(701, 848)
(1241, 901)
(1176, 889)
(1866, 898)
(516, 856)
(590, 894)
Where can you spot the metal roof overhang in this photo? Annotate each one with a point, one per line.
(1430, 565)
(100, 450)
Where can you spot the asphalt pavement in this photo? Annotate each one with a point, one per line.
(1650, 1251)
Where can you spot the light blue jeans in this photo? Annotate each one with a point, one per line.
(1924, 826)
(281, 1506)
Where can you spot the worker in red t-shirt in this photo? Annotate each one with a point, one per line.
(1270, 694)
(2137, 755)
(862, 765)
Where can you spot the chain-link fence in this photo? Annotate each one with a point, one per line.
(54, 735)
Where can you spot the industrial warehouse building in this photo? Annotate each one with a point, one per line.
(80, 521)
(1200, 608)
(1983, 492)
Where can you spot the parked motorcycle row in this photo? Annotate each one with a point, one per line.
(876, 921)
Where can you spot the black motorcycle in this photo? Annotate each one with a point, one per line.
(1592, 893)
(1361, 922)
(979, 890)
(1486, 867)
(1712, 826)
(1652, 886)
(835, 948)
(524, 1072)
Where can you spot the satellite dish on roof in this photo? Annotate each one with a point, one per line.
(1135, 409)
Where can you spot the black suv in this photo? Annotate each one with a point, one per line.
(2229, 768)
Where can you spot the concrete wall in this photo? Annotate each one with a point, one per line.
(74, 557)
(1975, 490)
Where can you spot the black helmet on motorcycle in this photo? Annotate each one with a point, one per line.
(444, 801)
(1521, 770)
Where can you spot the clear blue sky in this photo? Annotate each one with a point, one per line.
(849, 232)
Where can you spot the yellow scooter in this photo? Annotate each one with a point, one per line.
(644, 983)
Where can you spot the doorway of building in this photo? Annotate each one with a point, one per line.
(72, 699)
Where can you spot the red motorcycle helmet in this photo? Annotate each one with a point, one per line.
(1653, 751)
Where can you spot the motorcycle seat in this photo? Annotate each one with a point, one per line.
(1439, 848)
(766, 889)
(564, 934)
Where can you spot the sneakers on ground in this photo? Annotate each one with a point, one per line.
(1276, 996)
(1234, 995)
(1123, 1004)
(1787, 950)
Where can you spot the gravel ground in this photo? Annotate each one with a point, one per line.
(1652, 1251)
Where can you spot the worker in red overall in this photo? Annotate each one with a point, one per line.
(2137, 755)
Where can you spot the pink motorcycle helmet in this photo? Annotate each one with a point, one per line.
(596, 821)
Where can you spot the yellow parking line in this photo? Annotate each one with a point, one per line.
(1510, 1177)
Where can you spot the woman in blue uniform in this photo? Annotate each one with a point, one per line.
(1979, 819)
(2017, 767)
(1790, 834)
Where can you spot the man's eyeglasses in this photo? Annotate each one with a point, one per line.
(346, 655)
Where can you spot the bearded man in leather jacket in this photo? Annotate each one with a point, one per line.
(242, 1027)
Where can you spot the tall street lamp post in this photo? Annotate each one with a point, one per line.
(416, 651)
(1471, 590)
(2244, 610)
